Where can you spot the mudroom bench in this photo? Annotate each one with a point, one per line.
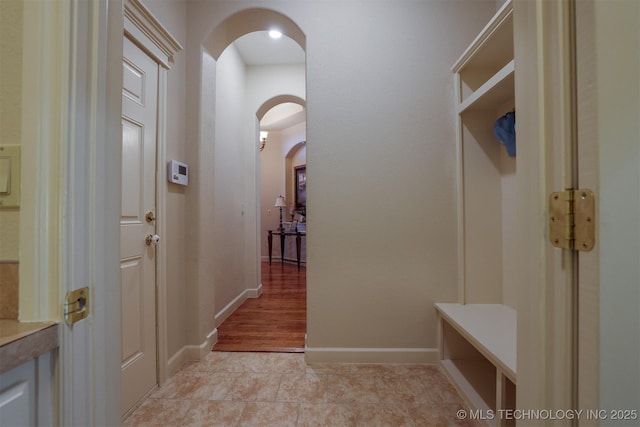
(478, 353)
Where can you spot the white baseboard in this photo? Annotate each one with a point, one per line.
(237, 302)
(371, 355)
(191, 353)
(254, 293)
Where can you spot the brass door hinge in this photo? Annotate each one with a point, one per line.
(572, 219)
(76, 305)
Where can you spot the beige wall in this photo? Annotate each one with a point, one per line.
(380, 160)
(228, 188)
(10, 111)
(380, 163)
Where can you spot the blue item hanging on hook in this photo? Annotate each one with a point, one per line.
(505, 130)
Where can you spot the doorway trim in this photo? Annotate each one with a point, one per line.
(544, 49)
(144, 30)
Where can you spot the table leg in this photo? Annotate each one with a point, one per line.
(270, 240)
(282, 248)
(298, 244)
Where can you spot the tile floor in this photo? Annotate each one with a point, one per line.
(279, 389)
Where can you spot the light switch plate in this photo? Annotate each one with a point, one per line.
(9, 176)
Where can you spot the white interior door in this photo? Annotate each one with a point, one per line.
(608, 59)
(137, 224)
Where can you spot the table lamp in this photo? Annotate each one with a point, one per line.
(280, 203)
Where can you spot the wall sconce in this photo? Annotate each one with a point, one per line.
(263, 139)
(280, 203)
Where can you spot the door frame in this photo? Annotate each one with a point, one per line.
(79, 69)
(608, 164)
(545, 98)
(144, 30)
(73, 184)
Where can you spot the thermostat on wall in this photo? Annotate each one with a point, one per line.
(177, 172)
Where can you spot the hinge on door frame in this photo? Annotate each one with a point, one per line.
(572, 219)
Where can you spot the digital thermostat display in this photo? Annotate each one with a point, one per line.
(177, 172)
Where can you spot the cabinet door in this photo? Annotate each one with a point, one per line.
(17, 396)
(26, 394)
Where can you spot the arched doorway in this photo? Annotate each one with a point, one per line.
(225, 202)
(283, 120)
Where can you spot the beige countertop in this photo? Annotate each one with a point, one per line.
(23, 341)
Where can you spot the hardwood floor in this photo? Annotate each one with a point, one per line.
(277, 321)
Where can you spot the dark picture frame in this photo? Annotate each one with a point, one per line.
(300, 176)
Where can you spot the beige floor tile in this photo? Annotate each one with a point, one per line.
(440, 416)
(252, 387)
(237, 362)
(285, 363)
(274, 389)
(176, 386)
(327, 415)
(375, 369)
(303, 387)
(197, 386)
(330, 368)
(406, 389)
(264, 414)
(431, 370)
(211, 386)
(443, 394)
(212, 362)
(383, 415)
(352, 388)
(159, 413)
(214, 414)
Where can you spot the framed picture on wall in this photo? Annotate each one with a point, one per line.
(301, 186)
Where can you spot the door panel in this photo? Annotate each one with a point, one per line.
(133, 294)
(608, 58)
(132, 160)
(588, 274)
(137, 259)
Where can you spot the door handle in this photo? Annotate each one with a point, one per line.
(152, 239)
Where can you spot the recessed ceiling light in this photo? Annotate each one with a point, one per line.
(275, 34)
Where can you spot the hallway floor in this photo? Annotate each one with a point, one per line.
(280, 389)
(277, 321)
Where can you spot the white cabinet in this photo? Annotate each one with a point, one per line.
(27, 359)
(478, 350)
(26, 394)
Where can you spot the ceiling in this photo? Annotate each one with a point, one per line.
(258, 48)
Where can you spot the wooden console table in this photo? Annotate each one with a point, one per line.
(283, 234)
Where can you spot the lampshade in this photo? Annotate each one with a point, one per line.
(280, 203)
(264, 134)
